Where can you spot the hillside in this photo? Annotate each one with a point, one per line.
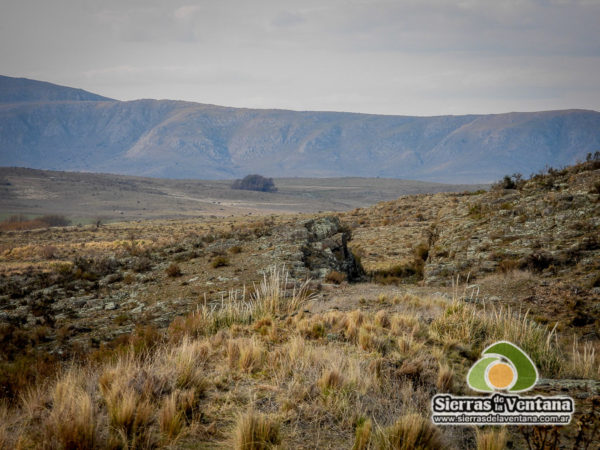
(204, 333)
(17, 90)
(66, 130)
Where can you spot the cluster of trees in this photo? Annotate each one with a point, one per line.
(255, 183)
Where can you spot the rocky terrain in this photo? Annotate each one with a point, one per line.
(197, 324)
(547, 226)
(71, 130)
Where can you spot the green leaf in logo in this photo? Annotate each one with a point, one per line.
(476, 376)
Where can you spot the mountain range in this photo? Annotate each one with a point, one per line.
(46, 126)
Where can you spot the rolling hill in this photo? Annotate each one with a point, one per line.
(53, 127)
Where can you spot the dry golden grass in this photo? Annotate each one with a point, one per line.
(271, 297)
(254, 431)
(71, 422)
(171, 418)
(584, 362)
(491, 439)
(4, 433)
(464, 323)
(251, 355)
(362, 436)
(445, 378)
(410, 432)
(330, 380)
(338, 378)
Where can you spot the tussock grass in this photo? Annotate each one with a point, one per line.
(491, 439)
(445, 378)
(330, 380)
(4, 433)
(187, 361)
(463, 323)
(325, 378)
(362, 435)
(584, 361)
(170, 417)
(270, 298)
(409, 432)
(254, 431)
(251, 355)
(71, 422)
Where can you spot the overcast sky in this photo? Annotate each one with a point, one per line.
(415, 57)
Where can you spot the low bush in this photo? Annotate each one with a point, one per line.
(335, 277)
(411, 271)
(21, 222)
(174, 270)
(220, 261)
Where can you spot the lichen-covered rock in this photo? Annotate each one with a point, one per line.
(326, 249)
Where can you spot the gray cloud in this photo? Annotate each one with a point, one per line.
(396, 57)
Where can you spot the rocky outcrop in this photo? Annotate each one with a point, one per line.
(326, 249)
(312, 249)
(549, 226)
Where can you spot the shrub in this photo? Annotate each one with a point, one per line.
(174, 271)
(538, 261)
(48, 252)
(335, 277)
(142, 264)
(410, 271)
(21, 222)
(220, 261)
(508, 183)
(235, 249)
(55, 220)
(507, 265)
(255, 183)
(421, 251)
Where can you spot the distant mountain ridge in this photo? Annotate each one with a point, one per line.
(46, 126)
(15, 90)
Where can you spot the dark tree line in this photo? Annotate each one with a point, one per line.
(255, 183)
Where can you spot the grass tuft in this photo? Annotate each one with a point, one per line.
(491, 439)
(410, 432)
(362, 435)
(254, 431)
(463, 323)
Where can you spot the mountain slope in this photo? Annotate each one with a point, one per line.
(190, 140)
(25, 90)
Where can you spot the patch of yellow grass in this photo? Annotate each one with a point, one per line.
(71, 422)
(254, 431)
(491, 439)
(463, 323)
(410, 432)
(584, 361)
